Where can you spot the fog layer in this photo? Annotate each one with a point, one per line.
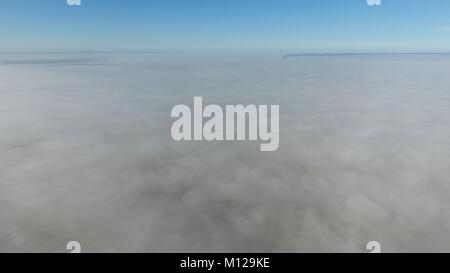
(86, 154)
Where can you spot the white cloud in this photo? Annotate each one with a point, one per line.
(86, 155)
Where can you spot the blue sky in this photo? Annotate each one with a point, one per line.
(300, 25)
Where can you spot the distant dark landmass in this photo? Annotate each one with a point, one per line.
(361, 53)
(63, 61)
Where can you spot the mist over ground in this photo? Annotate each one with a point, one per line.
(86, 154)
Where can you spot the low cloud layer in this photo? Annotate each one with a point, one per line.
(86, 154)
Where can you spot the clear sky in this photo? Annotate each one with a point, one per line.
(301, 25)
